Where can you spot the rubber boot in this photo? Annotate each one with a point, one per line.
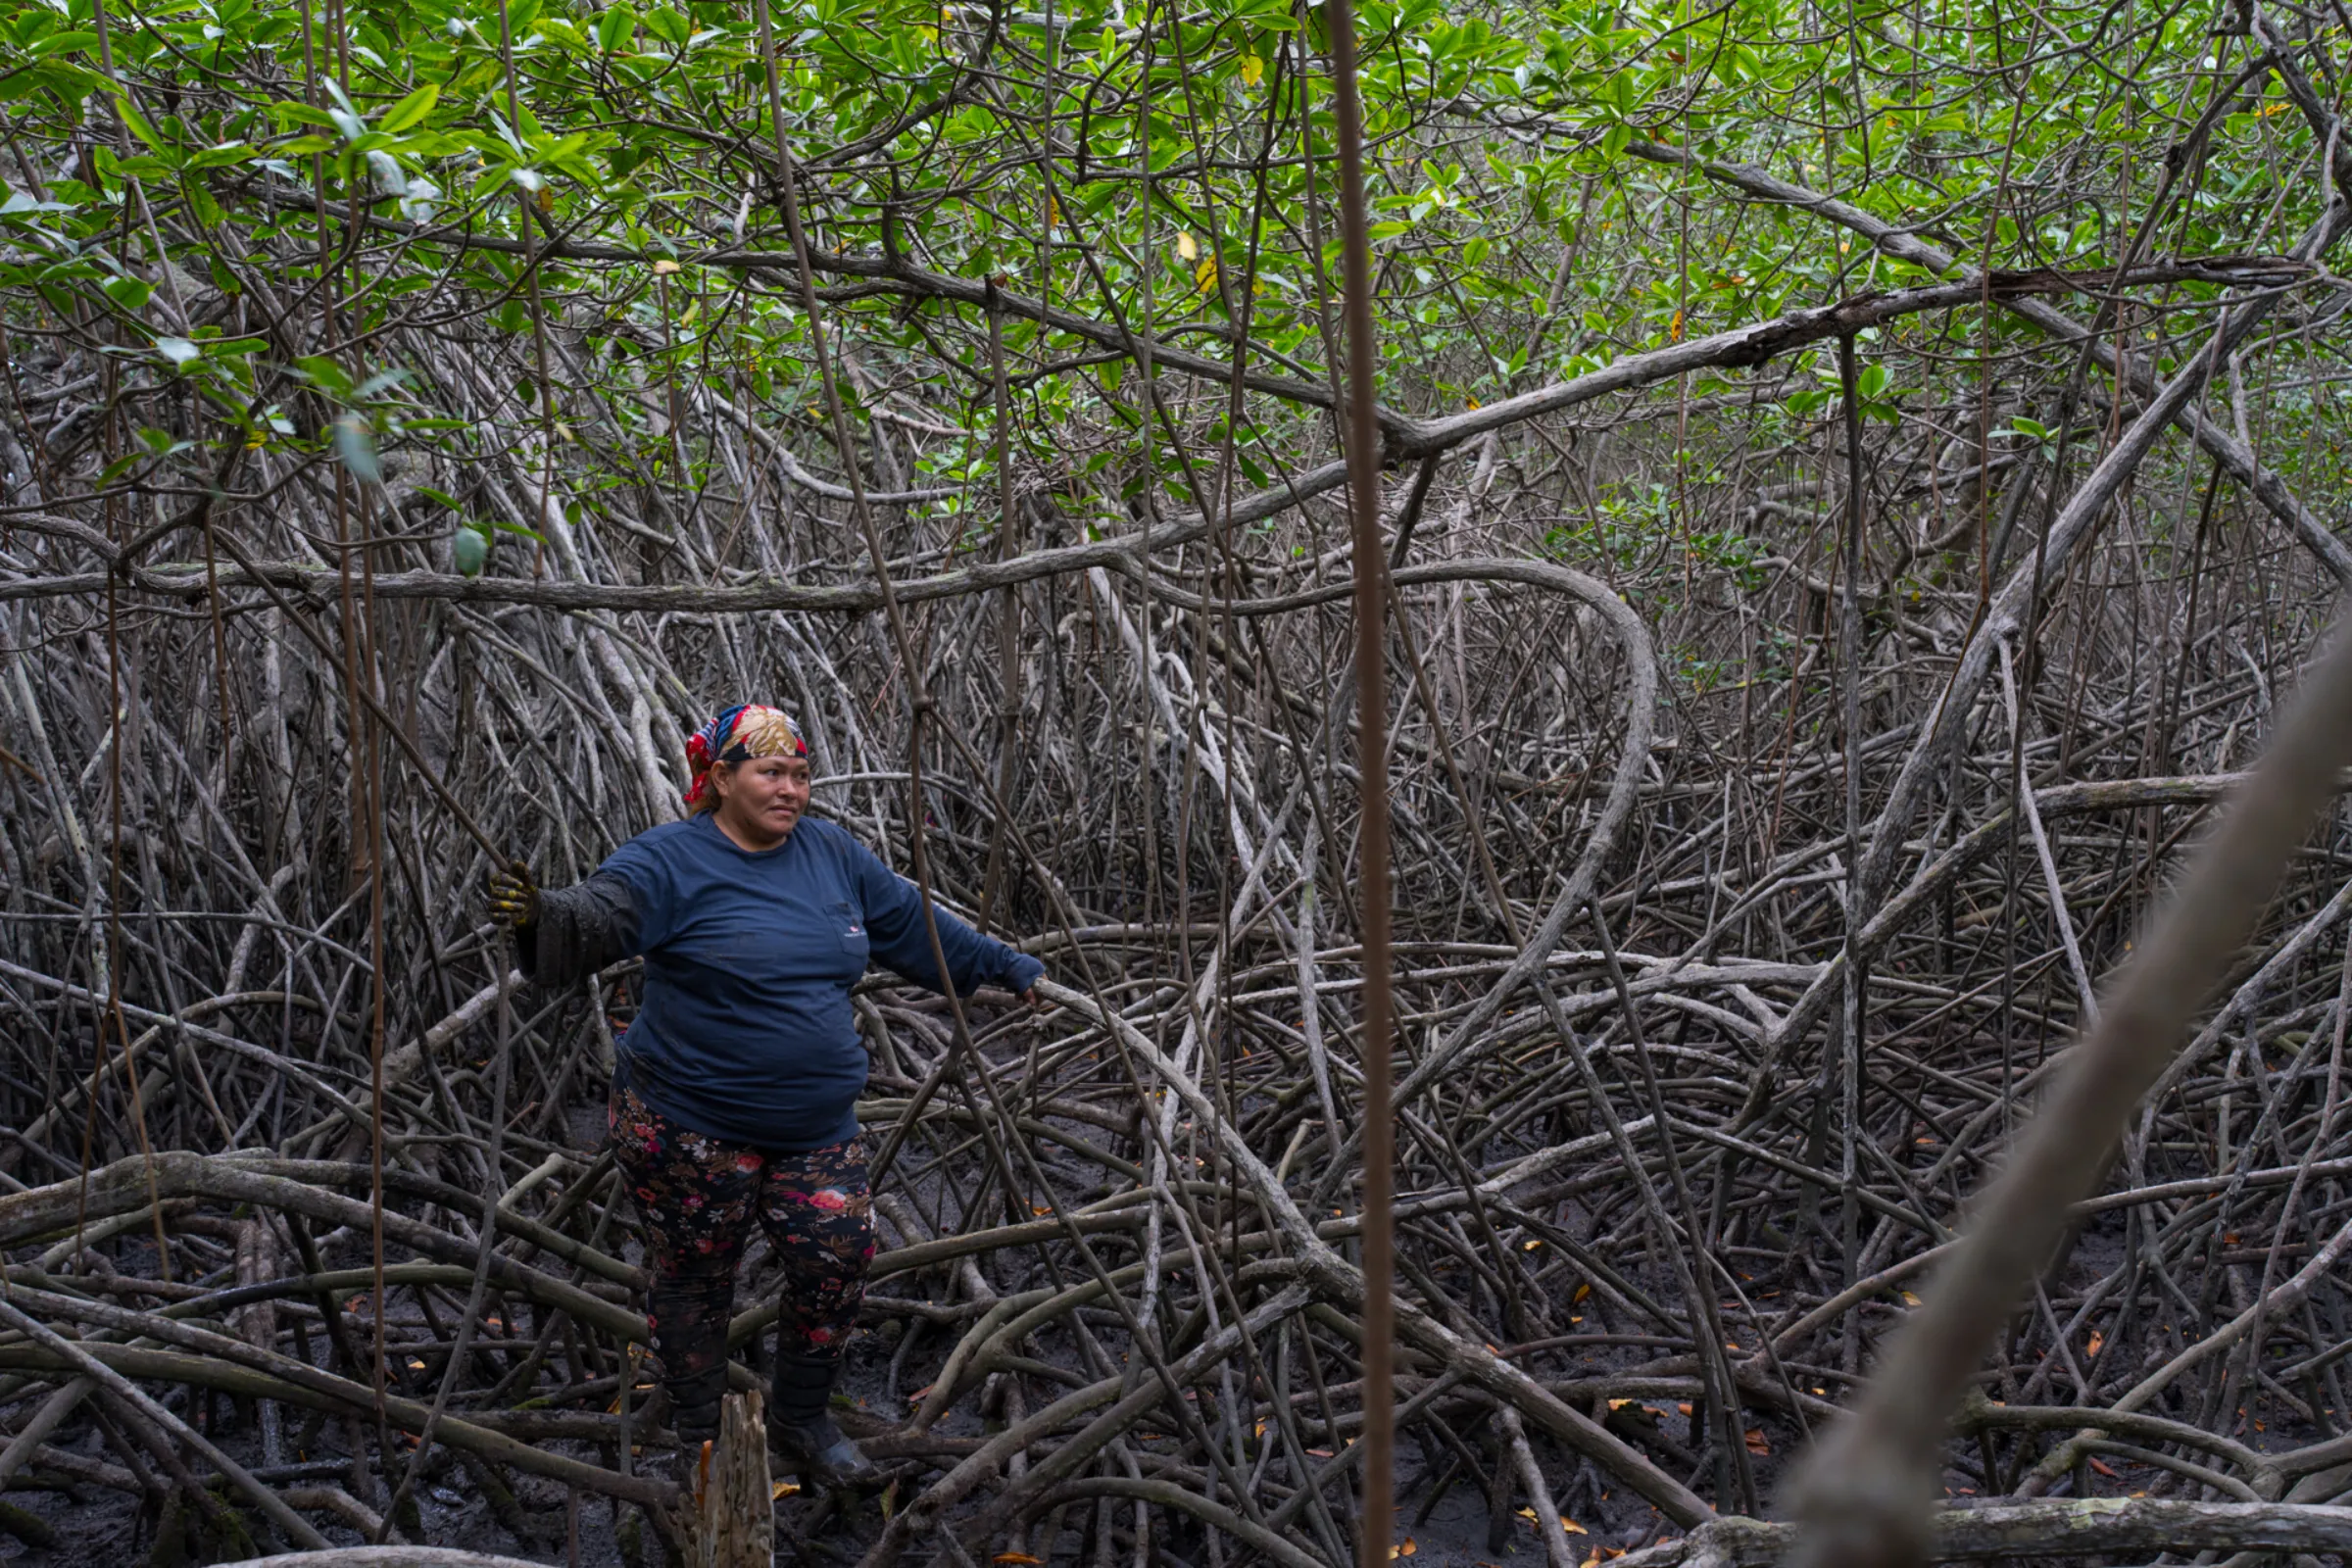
(803, 1430)
(694, 1405)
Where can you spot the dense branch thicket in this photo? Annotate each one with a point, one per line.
(1858, 482)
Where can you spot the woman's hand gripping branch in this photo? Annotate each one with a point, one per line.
(513, 897)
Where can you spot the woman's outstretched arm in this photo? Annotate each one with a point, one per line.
(565, 933)
(894, 925)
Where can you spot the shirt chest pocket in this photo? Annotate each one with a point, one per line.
(850, 924)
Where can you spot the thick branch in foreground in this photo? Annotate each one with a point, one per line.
(1864, 1492)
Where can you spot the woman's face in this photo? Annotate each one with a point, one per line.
(761, 799)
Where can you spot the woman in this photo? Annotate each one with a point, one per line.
(734, 1093)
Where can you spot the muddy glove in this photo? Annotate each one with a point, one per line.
(513, 897)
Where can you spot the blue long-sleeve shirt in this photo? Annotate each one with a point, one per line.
(744, 1030)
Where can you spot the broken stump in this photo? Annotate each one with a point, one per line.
(731, 1519)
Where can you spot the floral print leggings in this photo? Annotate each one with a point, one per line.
(696, 1197)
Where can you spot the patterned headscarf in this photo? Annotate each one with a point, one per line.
(738, 735)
